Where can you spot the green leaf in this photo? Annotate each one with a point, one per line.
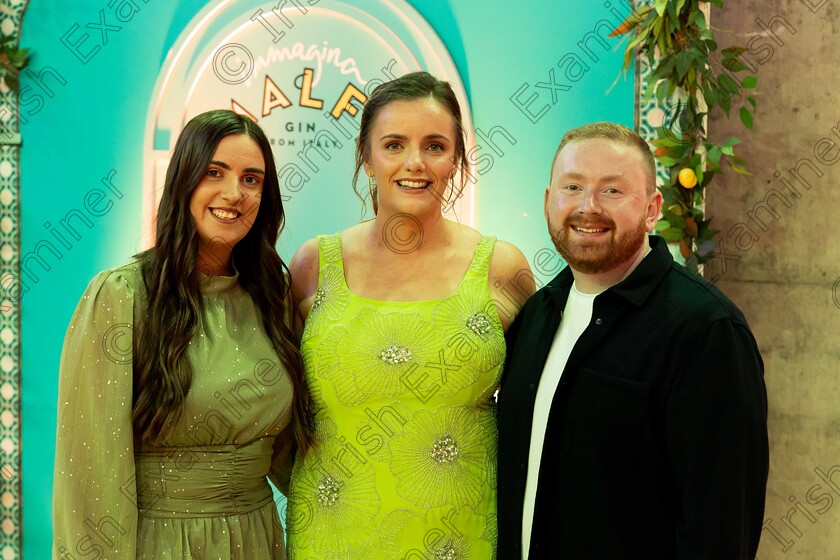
(666, 161)
(732, 141)
(660, 7)
(733, 65)
(746, 117)
(714, 155)
(661, 225)
(672, 15)
(727, 84)
(725, 103)
(683, 60)
(751, 99)
(749, 82)
(672, 234)
(738, 169)
(733, 51)
(727, 150)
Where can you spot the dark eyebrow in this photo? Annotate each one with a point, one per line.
(223, 165)
(428, 137)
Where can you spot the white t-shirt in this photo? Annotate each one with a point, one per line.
(576, 317)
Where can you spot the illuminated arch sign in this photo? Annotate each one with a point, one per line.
(301, 69)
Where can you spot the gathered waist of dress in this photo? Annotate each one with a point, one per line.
(202, 481)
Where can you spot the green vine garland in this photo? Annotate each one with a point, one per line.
(676, 32)
(12, 61)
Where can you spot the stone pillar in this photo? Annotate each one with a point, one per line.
(780, 256)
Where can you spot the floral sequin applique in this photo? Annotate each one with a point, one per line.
(333, 498)
(442, 457)
(330, 300)
(437, 535)
(376, 354)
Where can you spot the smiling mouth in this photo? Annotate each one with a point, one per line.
(414, 184)
(589, 230)
(225, 214)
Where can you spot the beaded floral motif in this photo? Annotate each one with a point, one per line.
(441, 457)
(445, 450)
(316, 401)
(491, 531)
(328, 491)
(331, 298)
(395, 354)
(447, 551)
(479, 324)
(439, 534)
(381, 424)
(330, 247)
(320, 294)
(333, 498)
(374, 353)
(474, 338)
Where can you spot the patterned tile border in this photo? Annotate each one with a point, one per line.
(11, 13)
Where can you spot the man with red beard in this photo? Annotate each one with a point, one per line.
(633, 411)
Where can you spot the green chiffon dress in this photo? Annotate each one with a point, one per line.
(203, 494)
(405, 458)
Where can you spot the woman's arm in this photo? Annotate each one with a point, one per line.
(94, 490)
(511, 282)
(304, 270)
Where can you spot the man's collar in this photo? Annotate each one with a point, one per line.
(638, 285)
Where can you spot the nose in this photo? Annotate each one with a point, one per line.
(414, 160)
(232, 190)
(589, 202)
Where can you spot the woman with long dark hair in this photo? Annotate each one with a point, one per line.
(403, 346)
(181, 388)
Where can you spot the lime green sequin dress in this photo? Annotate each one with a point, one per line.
(203, 494)
(405, 463)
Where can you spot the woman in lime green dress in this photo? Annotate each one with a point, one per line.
(403, 345)
(180, 386)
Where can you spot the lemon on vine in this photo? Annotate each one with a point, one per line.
(687, 178)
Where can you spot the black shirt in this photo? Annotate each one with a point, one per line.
(656, 443)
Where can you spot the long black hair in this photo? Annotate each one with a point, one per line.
(162, 374)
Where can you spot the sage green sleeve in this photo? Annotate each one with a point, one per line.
(94, 489)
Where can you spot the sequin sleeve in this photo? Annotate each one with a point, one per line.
(94, 492)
